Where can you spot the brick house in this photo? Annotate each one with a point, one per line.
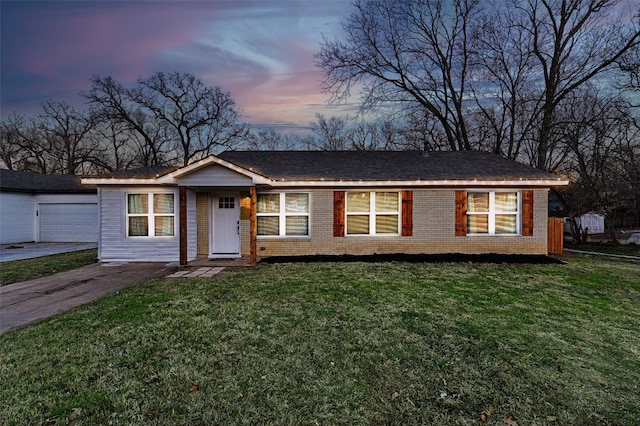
(286, 203)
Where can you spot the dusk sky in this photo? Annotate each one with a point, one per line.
(259, 51)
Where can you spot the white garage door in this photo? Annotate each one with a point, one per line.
(67, 222)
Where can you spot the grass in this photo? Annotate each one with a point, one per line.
(341, 343)
(609, 248)
(21, 270)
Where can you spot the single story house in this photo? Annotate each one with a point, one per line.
(46, 208)
(286, 203)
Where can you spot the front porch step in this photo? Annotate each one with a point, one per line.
(203, 261)
(203, 272)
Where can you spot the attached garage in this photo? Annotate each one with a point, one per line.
(66, 222)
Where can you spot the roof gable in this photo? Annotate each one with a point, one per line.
(221, 175)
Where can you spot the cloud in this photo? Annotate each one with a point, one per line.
(260, 51)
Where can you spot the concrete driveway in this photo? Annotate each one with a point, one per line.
(22, 251)
(29, 301)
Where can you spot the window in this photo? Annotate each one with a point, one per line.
(373, 213)
(150, 215)
(283, 214)
(226, 202)
(493, 213)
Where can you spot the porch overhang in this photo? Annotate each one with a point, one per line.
(253, 220)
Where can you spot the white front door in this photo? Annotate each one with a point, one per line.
(225, 229)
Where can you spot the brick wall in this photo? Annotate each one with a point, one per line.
(202, 223)
(433, 232)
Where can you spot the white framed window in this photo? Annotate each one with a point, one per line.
(283, 214)
(150, 214)
(373, 213)
(493, 213)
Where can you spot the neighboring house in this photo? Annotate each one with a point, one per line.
(273, 203)
(591, 223)
(44, 208)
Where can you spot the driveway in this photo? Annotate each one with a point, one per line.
(29, 301)
(22, 251)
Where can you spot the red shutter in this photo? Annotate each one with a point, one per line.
(461, 213)
(407, 213)
(527, 213)
(338, 214)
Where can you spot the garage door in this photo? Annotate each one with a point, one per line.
(68, 222)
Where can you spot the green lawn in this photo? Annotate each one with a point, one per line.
(619, 249)
(341, 343)
(21, 270)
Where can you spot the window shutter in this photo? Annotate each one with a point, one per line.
(338, 214)
(461, 213)
(527, 213)
(407, 213)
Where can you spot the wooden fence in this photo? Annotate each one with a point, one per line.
(555, 240)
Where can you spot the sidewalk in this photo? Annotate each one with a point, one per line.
(29, 301)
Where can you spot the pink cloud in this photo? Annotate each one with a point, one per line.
(117, 38)
(261, 52)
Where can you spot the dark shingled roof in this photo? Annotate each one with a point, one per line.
(14, 181)
(383, 166)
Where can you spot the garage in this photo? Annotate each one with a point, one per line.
(46, 208)
(68, 222)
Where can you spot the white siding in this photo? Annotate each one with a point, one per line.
(17, 218)
(67, 198)
(116, 246)
(215, 176)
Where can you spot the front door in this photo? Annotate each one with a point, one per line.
(225, 229)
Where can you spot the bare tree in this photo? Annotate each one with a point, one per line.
(406, 51)
(391, 135)
(68, 132)
(420, 131)
(365, 136)
(175, 117)
(504, 89)
(58, 140)
(201, 118)
(331, 134)
(272, 140)
(119, 146)
(484, 75)
(593, 129)
(113, 103)
(10, 152)
(626, 159)
(573, 41)
(24, 146)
